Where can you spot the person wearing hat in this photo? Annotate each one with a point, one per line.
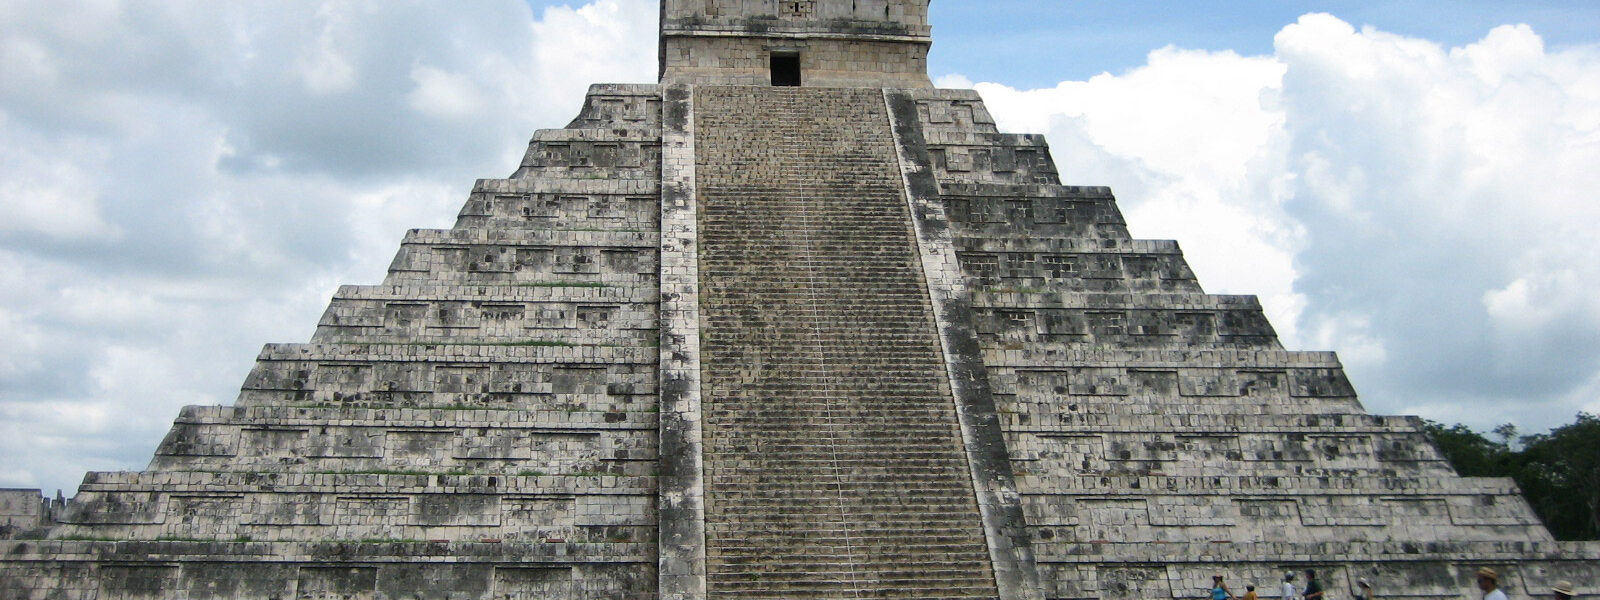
(1563, 590)
(1288, 592)
(1489, 582)
(1363, 590)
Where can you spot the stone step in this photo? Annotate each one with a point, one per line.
(498, 293)
(1066, 245)
(1113, 300)
(1271, 485)
(1172, 422)
(828, 423)
(840, 431)
(491, 237)
(918, 570)
(459, 353)
(841, 473)
(369, 483)
(883, 540)
(829, 469)
(1122, 361)
(241, 554)
(650, 186)
(939, 559)
(1140, 405)
(1212, 553)
(853, 591)
(637, 417)
(783, 489)
(948, 513)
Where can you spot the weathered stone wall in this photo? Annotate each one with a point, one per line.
(840, 43)
(823, 62)
(167, 570)
(856, 17)
(23, 513)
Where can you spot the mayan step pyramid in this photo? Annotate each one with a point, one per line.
(836, 337)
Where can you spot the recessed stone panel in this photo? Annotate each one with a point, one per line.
(534, 583)
(337, 583)
(137, 582)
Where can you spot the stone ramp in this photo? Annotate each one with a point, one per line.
(834, 462)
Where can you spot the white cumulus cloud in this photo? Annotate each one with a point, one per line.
(1193, 143)
(1427, 211)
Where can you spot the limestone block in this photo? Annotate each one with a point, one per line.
(539, 518)
(434, 581)
(23, 513)
(991, 159)
(560, 210)
(1319, 383)
(199, 440)
(435, 510)
(1135, 582)
(336, 582)
(234, 580)
(479, 385)
(340, 442)
(302, 509)
(282, 442)
(1489, 509)
(95, 508)
(209, 516)
(535, 583)
(138, 582)
(614, 105)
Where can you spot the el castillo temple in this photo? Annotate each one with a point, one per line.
(789, 324)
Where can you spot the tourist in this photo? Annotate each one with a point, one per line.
(1219, 590)
(1249, 592)
(1489, 582)
(1363, 590)
(1288, 592)
(1563, 590)
(1313, 587)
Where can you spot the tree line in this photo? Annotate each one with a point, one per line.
(1559, 471)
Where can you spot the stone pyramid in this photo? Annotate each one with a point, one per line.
(833, 338)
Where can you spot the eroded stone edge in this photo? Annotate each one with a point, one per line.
(1010, 549)
(681, 504)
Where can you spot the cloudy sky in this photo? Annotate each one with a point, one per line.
(181, 182)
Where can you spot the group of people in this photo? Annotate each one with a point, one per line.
(1488, 581)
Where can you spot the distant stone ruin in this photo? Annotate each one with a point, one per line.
(791, 324)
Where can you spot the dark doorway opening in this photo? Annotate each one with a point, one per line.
(786, 69)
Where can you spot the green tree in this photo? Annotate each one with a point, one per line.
(1560, 474)
(1468, 451)
(1507, 433)
(1559, 471)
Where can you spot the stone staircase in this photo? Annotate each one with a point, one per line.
(834, 463)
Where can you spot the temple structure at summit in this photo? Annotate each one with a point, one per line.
(789, 324)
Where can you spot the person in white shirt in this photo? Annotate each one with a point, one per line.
(1288, 593)
(1489, 582)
